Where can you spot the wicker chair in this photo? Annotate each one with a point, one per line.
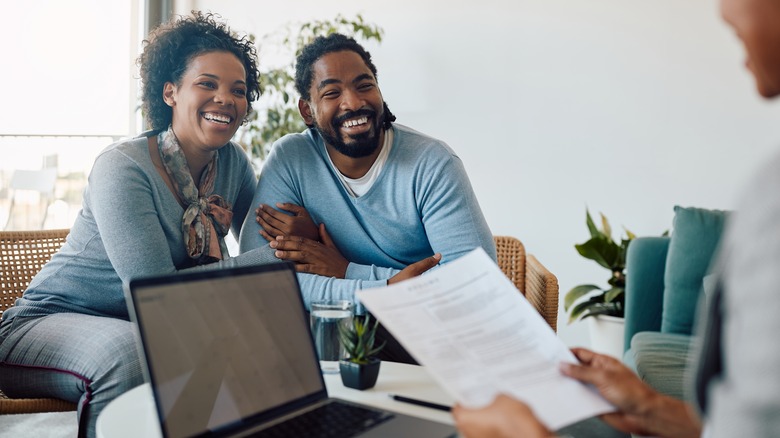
(537, 283)
(22, 255)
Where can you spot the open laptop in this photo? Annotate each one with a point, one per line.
(229, 353)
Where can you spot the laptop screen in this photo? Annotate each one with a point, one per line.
(224, 346)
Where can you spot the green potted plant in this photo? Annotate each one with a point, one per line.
(581, 301)
(361, 368)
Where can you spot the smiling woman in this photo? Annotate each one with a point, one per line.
(156, 204)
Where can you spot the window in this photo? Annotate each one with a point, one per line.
(70, 90)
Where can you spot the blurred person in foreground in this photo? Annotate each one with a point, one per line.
(736, 371)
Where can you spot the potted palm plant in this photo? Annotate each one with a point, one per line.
(361, 368)
(603, 306)
(583, 301)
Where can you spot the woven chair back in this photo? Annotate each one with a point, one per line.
(536, 282)
(22, 255)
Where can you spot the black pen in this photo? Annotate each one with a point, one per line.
(413, 401)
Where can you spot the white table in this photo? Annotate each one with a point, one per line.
(133, 414)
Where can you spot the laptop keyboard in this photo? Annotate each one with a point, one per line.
(334, 419)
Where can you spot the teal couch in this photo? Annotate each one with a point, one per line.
(664, 281)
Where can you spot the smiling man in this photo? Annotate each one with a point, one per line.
(390, 196)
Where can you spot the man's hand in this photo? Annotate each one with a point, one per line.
(504, 418)
(415, 269)
(274, 223)
(311, 256)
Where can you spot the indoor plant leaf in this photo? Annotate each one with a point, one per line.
(586, 306)
(597, 312)
(600, 250)
(594, 232)
(358, 339)
(609, 254)
(612, 294)
(593, 307)
(576, 292)
(606, 229)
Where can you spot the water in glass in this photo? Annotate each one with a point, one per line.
(325, 321)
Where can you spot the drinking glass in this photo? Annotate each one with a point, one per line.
(326, 316)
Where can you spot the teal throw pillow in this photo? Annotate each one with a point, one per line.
(695, 236)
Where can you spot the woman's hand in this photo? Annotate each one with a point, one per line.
(640, 409)
(504, 418)
(311, 256)
(616, 383)
(274, 223)
(415, 269)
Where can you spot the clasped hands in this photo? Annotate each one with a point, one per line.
(296, 238)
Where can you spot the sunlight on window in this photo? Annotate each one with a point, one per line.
(70, 67)
(70, 86)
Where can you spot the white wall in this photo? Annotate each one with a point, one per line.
(625, 106)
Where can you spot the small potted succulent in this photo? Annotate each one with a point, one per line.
(361, 368)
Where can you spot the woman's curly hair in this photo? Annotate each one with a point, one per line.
(169, 50)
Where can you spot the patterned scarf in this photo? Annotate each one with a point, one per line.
(207, 217)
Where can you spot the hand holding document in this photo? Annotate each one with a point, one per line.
(478, 337)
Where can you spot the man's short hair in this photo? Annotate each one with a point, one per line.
(318, 48)
(321, 46)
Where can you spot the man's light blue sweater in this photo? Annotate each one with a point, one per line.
(420, 204)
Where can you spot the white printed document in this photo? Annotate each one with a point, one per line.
(478, 337)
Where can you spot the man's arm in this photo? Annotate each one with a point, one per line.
(450, 212)
(278, 184)
(444, 201)
(447, 206)
(319, 288)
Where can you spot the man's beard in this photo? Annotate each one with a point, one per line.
(362, 145)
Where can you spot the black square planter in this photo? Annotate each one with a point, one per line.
(359, 376)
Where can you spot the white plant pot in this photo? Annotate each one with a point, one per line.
(606, 335)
